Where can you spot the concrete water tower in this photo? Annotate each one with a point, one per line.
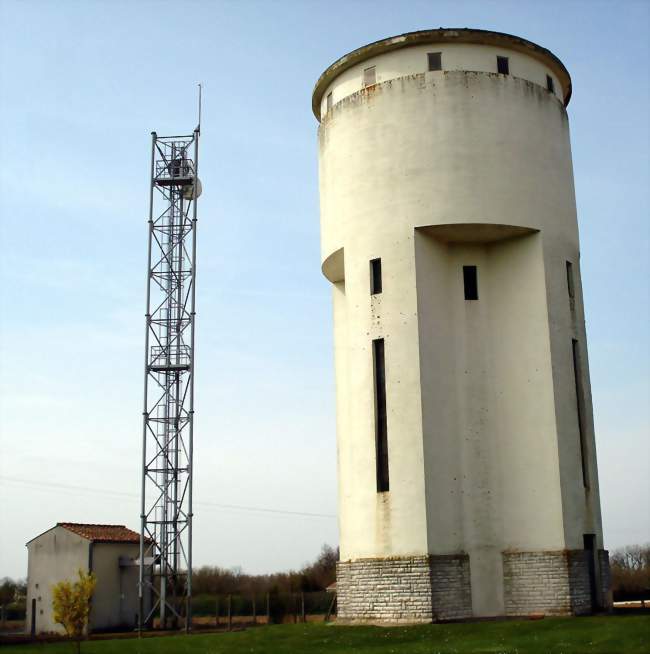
(467, 466)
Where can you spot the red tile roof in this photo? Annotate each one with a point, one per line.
(102, 533)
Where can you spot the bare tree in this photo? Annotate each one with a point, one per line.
(630, 567)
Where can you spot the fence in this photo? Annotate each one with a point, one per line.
(262, 608)
(12, 617)
(230, 611)
(13, 611)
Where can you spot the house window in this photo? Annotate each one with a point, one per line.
(375, 276)
(577, 375)
(549, 84)
(503, 65)
(329, 101)
(369, 76)
(435, 60)
(381, 427)
(470, 282)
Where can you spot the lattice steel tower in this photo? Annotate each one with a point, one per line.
(165, 582)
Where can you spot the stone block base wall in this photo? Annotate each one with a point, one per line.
(579, 585)
(451, 589)
(605, 580)
(536, 582)
(420, 589)
(384, 590)
(554, 583)
(416, 589)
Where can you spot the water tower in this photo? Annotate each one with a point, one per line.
(467, 470)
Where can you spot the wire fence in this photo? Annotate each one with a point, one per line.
(13, 611)
(262, 608)
(227, 611)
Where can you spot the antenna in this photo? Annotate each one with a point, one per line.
(199, 124)
(165, 564)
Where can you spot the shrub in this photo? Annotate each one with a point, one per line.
(71, 604)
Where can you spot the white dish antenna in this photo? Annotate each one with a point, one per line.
(188, 191)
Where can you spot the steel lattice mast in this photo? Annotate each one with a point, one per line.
(165, 581)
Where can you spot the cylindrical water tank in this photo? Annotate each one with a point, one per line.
(466, 459)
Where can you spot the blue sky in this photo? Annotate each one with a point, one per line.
(82, 86)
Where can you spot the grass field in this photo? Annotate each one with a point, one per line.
(593, 635)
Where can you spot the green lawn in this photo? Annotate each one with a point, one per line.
(600, 635)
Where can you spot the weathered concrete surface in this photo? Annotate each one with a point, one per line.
(431, 171)
(460, 49)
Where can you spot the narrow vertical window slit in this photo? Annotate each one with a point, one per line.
(381, 427)
(577, 373)
(569, 280)
(470, 282)
(375, 276)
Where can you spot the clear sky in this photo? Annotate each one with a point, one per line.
(82, 85)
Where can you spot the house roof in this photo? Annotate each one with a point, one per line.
(98, 533)
(102, 533)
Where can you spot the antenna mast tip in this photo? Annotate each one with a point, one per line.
(198, 127)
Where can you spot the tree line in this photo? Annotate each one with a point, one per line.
(315, 576)
(630, 571)
(630, 568)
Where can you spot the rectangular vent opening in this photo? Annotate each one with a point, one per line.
(369, 76)
(435, 60)
(550, 86)
(503, 65)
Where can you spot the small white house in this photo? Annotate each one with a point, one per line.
(109, 551)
